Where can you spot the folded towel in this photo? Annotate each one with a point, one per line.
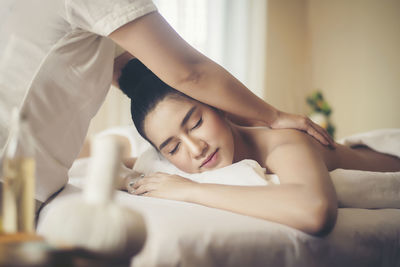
(382, 140)
(356, 189)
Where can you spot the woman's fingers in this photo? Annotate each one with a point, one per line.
(131, 181)
(138, 182)
(143, 184)
(144, 189)
(154, 184)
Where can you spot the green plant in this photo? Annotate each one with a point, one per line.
(320, 111)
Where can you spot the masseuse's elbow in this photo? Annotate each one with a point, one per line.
(322, 219)
(189, 80)
(190, 76)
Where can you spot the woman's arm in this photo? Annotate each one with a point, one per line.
(162, 50)
(305, 199)
(290, 204)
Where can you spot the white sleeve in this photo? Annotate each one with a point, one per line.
(105, 16)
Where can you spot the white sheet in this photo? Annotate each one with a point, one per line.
(187, 234)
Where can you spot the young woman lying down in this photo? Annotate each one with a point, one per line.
(196, 137)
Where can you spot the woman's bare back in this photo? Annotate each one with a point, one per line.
(356, 158)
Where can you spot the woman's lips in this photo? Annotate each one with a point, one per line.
(211, 160)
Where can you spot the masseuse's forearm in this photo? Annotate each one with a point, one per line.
(290, 204)
(212, 84)
(152, 40)
(209, 79)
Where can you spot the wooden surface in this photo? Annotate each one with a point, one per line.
(17, 250)
(19, 237)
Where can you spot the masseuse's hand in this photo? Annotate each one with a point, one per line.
(163, 185)
(303, 123)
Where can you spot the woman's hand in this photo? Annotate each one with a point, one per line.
(126, 177)
(303, 123)
(163, 185)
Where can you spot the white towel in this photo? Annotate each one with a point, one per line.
(381, 140)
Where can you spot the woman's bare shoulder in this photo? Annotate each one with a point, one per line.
(278, 137)
(281, 137)
(266, 141)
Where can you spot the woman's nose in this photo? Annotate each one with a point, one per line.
(197, 147)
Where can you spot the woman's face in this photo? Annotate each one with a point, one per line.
(191, 135)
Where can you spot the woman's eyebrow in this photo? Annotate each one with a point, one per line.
(184, 121)
(187, 116)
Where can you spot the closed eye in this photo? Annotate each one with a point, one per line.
(198, 124)
(173, 151)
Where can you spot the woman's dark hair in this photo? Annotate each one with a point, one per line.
(145, 90)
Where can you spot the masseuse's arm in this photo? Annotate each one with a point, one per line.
(305, 199)
(154, 42)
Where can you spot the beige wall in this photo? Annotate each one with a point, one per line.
(350, 49)
(288, 70)
(115, 111)
(355, 55)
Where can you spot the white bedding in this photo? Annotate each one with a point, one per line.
(187, 234)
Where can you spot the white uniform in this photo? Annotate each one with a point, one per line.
(56, 64)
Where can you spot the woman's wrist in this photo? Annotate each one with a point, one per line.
(194, 192)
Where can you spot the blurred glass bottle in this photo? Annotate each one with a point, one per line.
(18, 207)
